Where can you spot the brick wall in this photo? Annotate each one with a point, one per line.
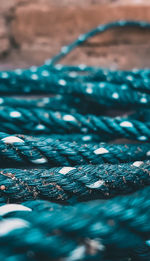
(33, 30)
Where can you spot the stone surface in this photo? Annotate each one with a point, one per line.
(34, 30)
(4, 37)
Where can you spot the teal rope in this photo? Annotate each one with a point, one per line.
(47, 151)
(77, 183)
(55, 103)
(119, 229)
(43, 121)
(76, 166)
(109, 88)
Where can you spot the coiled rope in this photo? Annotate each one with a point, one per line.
(73, 161)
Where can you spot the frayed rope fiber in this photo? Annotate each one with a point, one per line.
(76, 183)
(74, 176)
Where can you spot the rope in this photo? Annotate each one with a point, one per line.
(109, 88)
(76, 183)
(73, 162)
(41, 121)
(55, 103)
(79, 138)
(23, 149)
(52, 232)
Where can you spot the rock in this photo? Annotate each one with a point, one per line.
(4, 37)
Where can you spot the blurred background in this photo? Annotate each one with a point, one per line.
(34, 30)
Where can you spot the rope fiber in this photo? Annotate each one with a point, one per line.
(77, 183)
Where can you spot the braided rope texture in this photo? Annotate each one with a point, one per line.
(47, 151)
(76, 183)
(69, 190)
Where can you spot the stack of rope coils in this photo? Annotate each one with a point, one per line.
(68, 190)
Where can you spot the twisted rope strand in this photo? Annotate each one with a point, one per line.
(54, 103)
(47, 151)
(103, 93)
(110, 228)
(41, 121)
(77, 183)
